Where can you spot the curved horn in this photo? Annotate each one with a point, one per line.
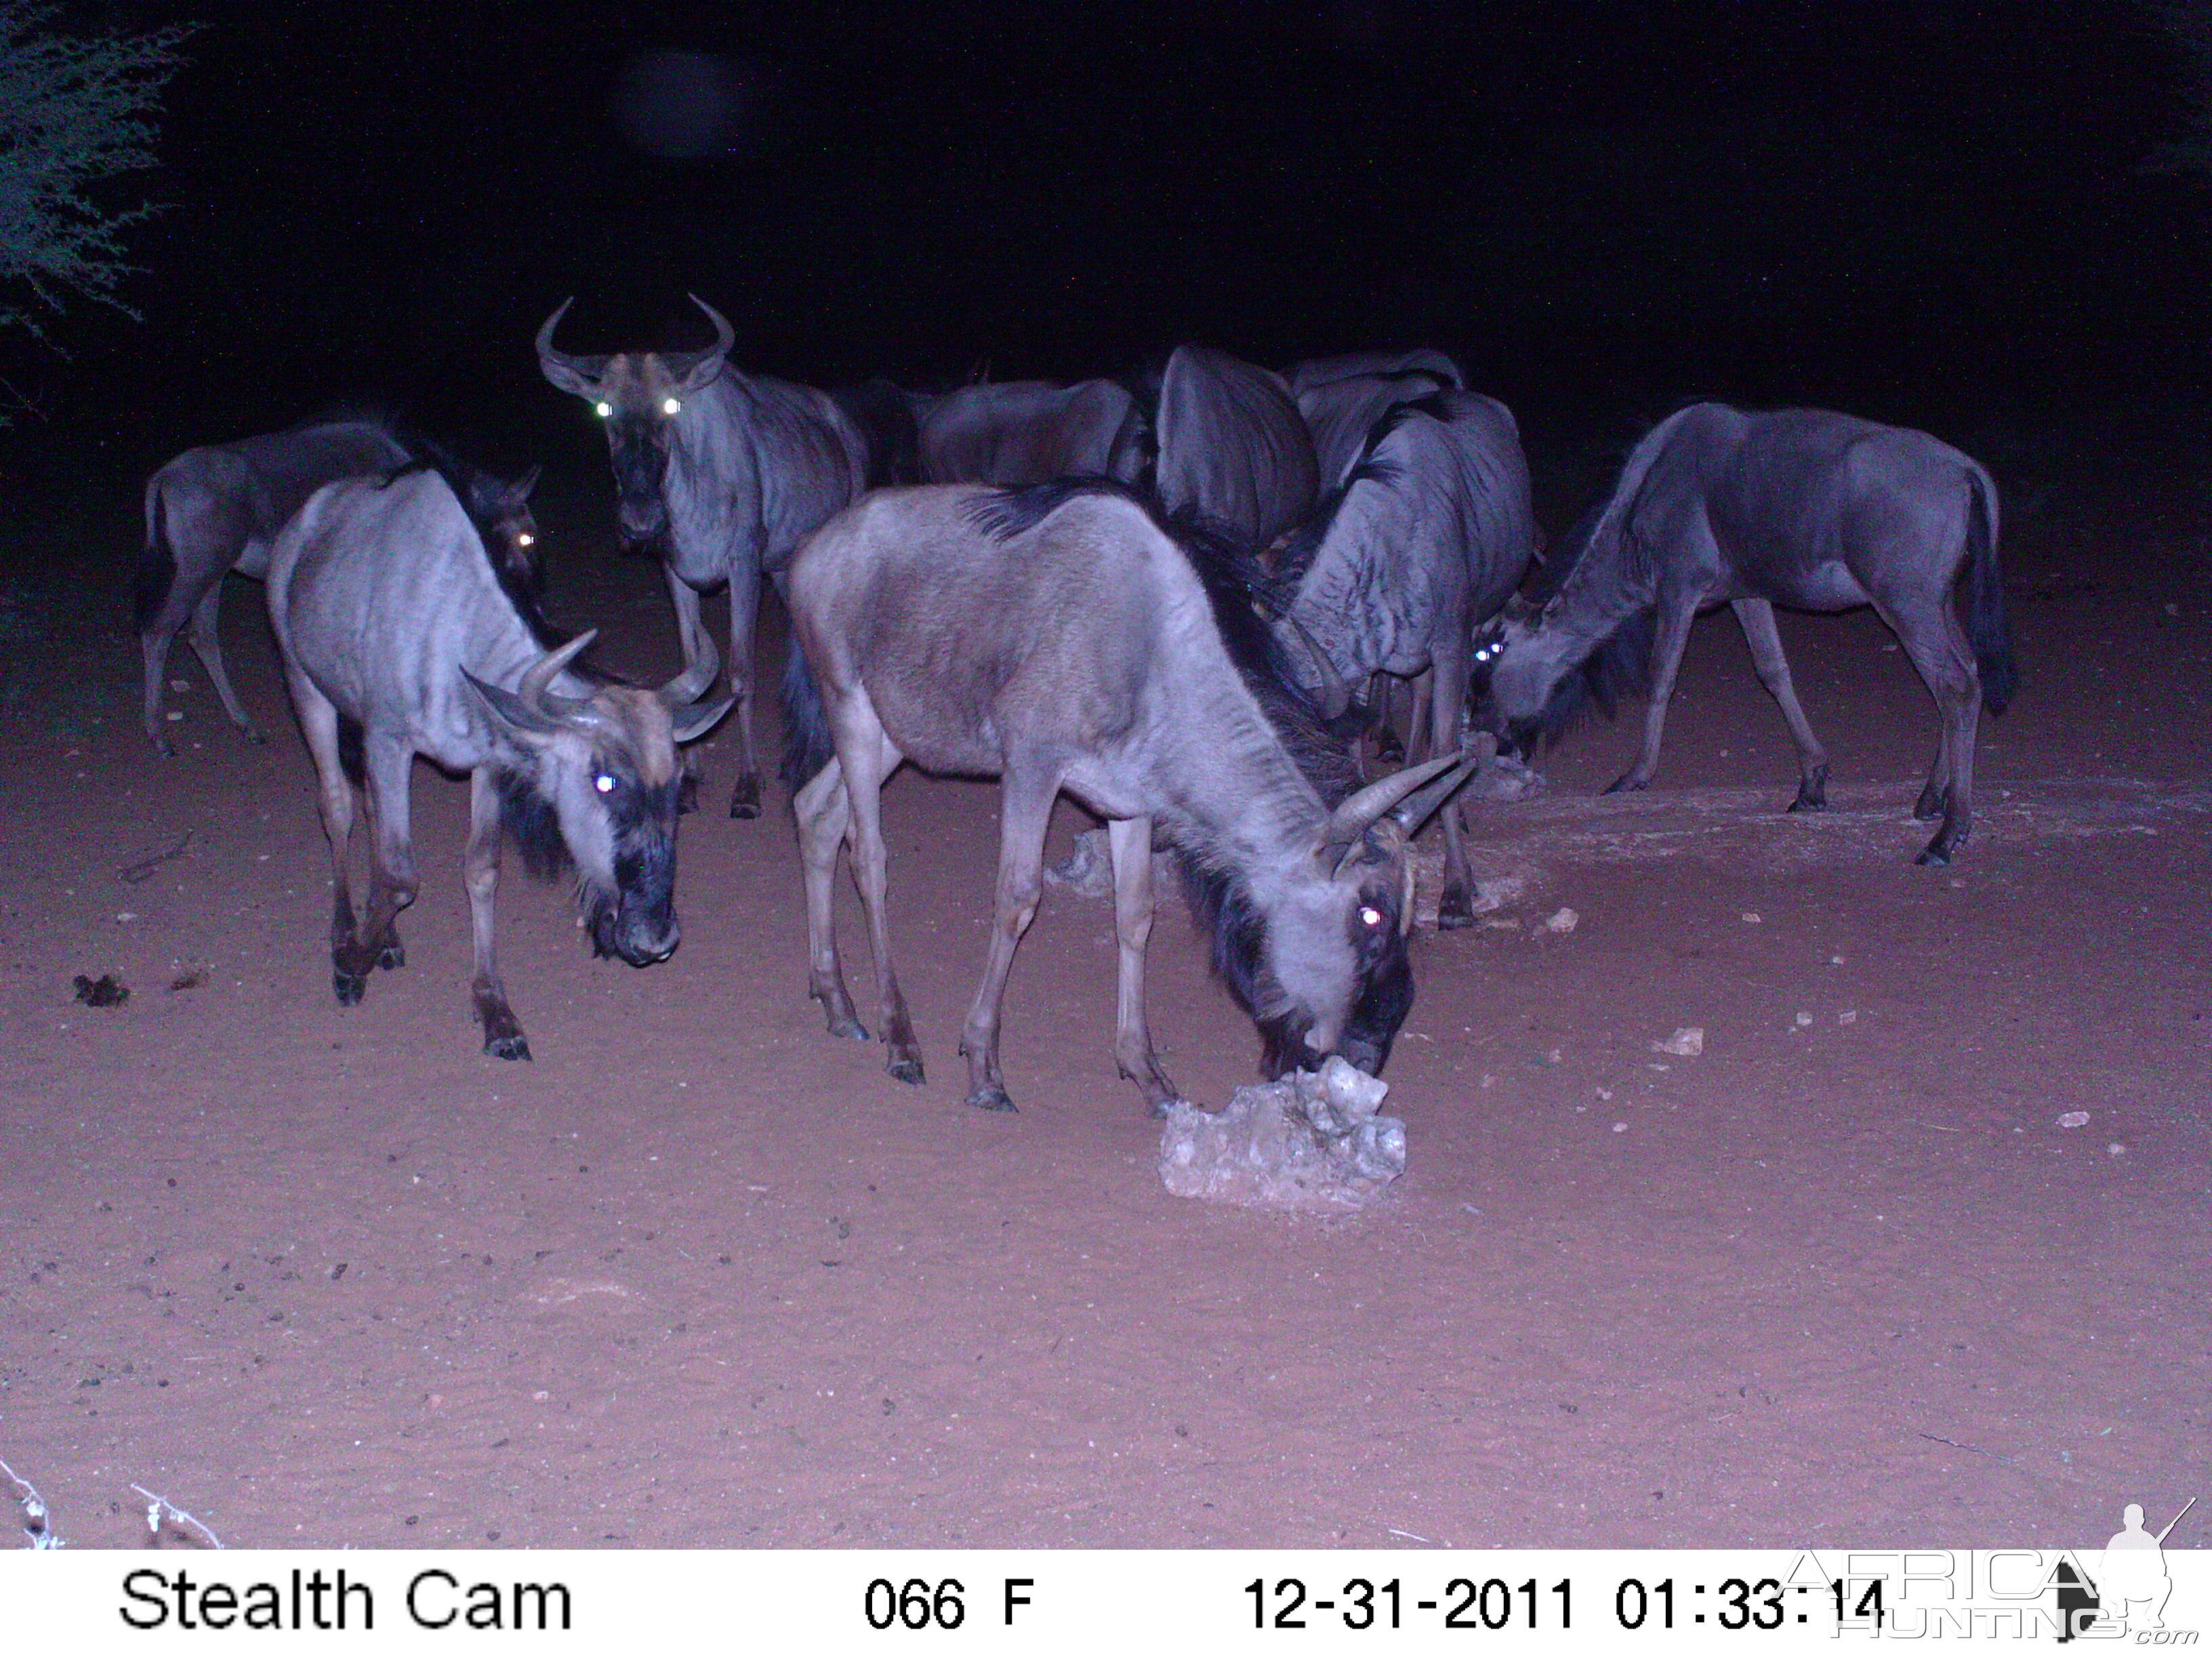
(688, 685)
(694, 719)
(1335, 694)
(571, 373)
(1351, 819)
(537, 679)
(1413, 811)
(694, 369)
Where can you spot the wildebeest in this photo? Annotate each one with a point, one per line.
(397, 634)
(725, 472)
(1013, 433)
(1429, 535)
(1801, 507)
(218, 508)
(941, 626)
(1233, 451)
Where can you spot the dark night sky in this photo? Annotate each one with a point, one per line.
(1932, 212)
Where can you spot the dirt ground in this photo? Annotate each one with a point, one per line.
(702, 1275)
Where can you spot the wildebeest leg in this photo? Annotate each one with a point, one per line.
(502, 1032)
(1757, 617)
(319, 724)
(823, 814)
(1131, 840)
(1676, 613)
(1026, 798)
(207, 642)
(1447, 691)
(744, 607)
(868, 758)
(154, 646)
(391, 884)
(1928, 629)
(691, 640)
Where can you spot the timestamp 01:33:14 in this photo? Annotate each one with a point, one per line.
(1495, 1604)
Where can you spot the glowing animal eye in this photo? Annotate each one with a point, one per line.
(604, 784)
(1371, 915)
(671, 407)
(604, 409)
(527, 540)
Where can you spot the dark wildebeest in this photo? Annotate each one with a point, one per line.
(1801, 507)
(1014, 433)
(398, 633)
(725, 472)
(1234, 453)
(1429, 535)
(218, 508)
(1058, 638)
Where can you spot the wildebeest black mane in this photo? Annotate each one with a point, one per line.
(530, 823)
(1618, 667)
(1297, 554)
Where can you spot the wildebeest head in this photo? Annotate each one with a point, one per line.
(500, 512)
(594, 781)
(1536, 668)
(1323, 970)
(641, 395)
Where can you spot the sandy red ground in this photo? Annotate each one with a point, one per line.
(702, 1275)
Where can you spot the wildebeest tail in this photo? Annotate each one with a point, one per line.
(808, 745)
(1987, 629)
(157, 565)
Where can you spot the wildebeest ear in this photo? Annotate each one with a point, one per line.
(518, 491)
(508, 711)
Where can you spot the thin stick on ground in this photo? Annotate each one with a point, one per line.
(190, 1528)
(38, 1520)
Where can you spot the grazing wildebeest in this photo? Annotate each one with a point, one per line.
(397, 634)
(725, 472)
(1234, 453)
(941, 626)
(1013, 433)
(1429, 535)
(218, 508)
(1801, 507)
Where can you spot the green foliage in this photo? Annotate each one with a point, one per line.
(76, 111)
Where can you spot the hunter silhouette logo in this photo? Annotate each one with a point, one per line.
(2130, 1591)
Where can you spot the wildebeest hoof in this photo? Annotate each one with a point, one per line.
(1627, 785)
(906, 1069)
(1934, 855)
(393, 955)
(744, 799)
(991, 1098)
(512, 1046)
(165, 748)
(1809, 802)
(1455, 909)
(687, 794)
(350, 988)
(252, 737)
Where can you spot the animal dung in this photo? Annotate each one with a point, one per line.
(2072, 1120)
(106, 992)
(1312, 1141)
(1688, 1041)
(1561, 921)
